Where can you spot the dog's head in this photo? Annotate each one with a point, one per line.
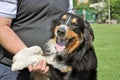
(68, 32)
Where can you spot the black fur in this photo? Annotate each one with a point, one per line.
(82, 60)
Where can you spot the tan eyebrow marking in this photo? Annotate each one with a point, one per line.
(64, 17)
(74, 21)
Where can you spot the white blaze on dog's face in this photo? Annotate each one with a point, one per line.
(61, 33)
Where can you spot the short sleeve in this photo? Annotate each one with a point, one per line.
(8, 8)
(70, 8)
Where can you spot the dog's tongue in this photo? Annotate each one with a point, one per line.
(60, 46)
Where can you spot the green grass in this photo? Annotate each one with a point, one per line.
(107, 47)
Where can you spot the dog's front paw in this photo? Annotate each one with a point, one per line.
(26, 57)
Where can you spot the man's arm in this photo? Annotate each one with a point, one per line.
(8, 39)
(70, 8)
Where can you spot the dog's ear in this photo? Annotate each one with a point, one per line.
(84, 56)
(88, 38)
(88, 32)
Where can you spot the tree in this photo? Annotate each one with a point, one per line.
(93, 1)
(81, 6)
(101, 13)
(115, 9)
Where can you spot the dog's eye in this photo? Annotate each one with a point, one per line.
(74, 24)
(63, 20)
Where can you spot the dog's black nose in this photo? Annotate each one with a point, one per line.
(61, 32)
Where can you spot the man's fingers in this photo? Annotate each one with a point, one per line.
(46, 70)
(38, 66)
(43, 65)
(30, 68)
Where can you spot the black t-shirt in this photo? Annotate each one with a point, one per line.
(34, 17)
(33, 20)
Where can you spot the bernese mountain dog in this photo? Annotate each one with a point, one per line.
(69, 52)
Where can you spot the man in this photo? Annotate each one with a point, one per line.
(23, 24)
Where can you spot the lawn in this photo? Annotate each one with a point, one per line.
(107, 47)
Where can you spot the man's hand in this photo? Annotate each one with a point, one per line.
(41, 66)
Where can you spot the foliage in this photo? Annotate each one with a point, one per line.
(115, 9)
(101, 13)
(74, 3)
(81, 6)
(93, 1)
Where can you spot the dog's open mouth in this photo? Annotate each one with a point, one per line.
(61, 44)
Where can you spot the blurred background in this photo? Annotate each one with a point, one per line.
(98, 11)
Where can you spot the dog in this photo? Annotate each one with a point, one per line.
(69, 52)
